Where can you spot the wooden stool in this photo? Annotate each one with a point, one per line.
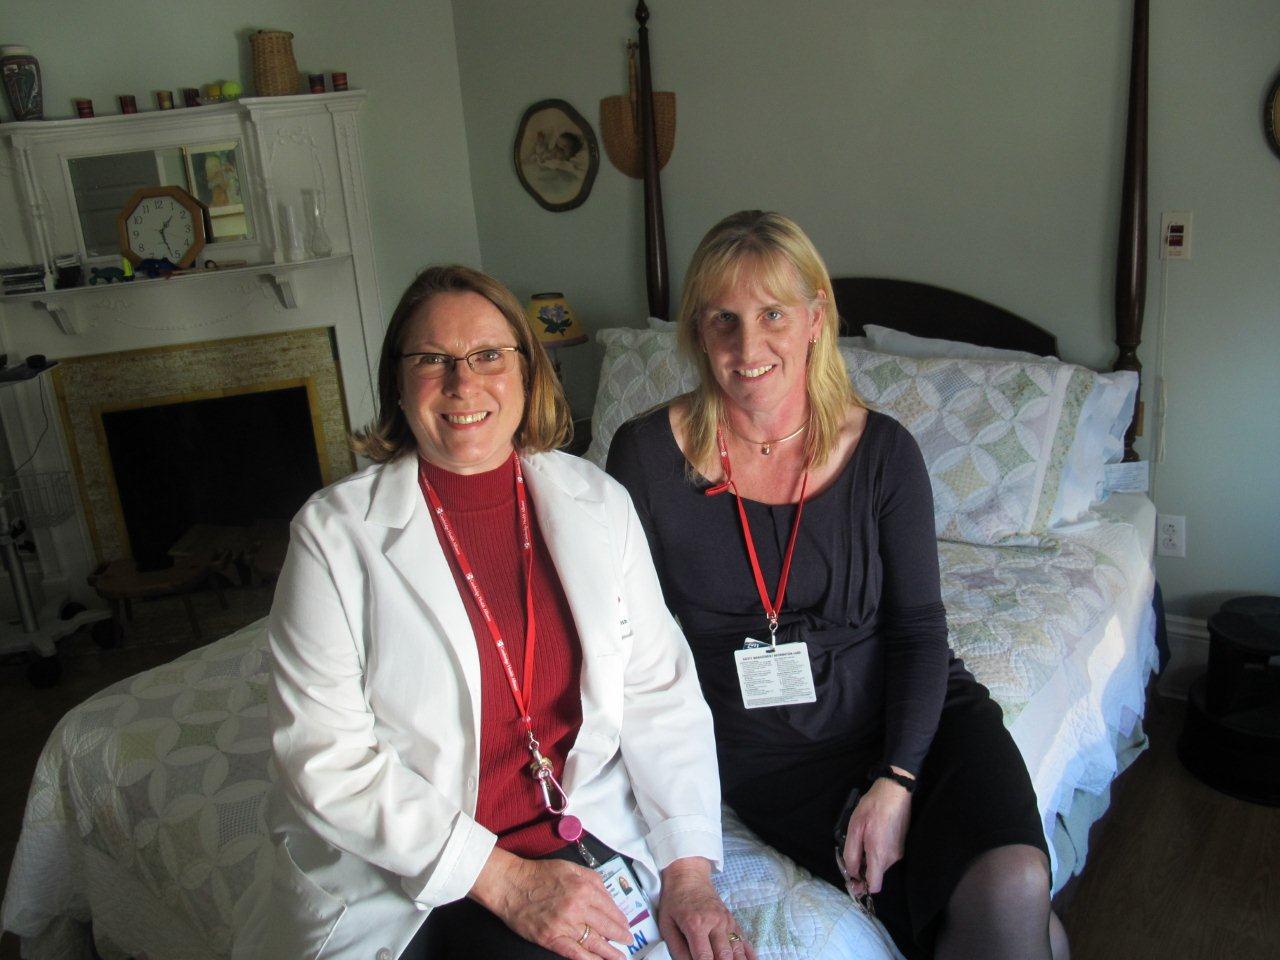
(120, 582)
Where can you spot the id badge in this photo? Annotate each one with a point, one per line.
(634, 903)
(771, 676)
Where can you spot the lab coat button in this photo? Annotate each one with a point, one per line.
(471, 783)
(384, 954)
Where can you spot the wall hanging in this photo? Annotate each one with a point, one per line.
(556, 155)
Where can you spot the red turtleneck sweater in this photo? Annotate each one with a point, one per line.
(482, 510)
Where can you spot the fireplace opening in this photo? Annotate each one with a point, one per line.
(226, 461)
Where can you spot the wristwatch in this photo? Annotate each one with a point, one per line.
(883, 770)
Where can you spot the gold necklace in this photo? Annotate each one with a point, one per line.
(766, 446)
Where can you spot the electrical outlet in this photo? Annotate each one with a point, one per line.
(1171, 535)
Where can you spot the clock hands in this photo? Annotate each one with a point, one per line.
(163, 227)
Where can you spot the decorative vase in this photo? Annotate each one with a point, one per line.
(317, 237)
(21, 73)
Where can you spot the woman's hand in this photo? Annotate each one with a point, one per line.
(877, 832)
(551, 903)
(694, 922)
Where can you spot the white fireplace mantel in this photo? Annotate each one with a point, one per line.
(289, 144)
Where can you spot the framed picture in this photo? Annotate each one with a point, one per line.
(556, 155)
(213, 177)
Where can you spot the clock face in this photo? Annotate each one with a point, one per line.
(160, 228)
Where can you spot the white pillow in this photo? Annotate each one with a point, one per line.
(657, 323)
(994, 434)
(884, 340)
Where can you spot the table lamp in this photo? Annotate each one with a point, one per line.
(554, 324)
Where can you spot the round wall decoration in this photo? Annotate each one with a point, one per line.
(556, 155)
(1271, 117)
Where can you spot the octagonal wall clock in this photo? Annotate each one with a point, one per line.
(163, 223)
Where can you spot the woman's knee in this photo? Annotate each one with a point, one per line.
(1014, 877)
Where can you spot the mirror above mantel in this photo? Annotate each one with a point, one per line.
(211, 172)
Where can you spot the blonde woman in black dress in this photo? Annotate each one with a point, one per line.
(793, 534)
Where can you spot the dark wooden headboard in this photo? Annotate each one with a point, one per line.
(929, 311)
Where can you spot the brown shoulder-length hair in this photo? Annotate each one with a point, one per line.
(546, 423)
(770, 249)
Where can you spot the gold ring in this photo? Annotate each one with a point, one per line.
(735, 938)
(586, 934)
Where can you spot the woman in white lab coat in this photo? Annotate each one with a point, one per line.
(477, 690)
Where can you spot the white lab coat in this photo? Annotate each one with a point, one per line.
(375, 711)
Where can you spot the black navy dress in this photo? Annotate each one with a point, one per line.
(864, 594)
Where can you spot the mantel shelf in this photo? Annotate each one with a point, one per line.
(60, 303)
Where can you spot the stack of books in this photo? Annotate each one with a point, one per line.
(22, 279)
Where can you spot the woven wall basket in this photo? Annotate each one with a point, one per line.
(621, 136)
(275, 72)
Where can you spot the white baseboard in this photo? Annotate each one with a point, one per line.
(1188, 655)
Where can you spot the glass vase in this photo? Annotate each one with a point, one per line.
(317, 237)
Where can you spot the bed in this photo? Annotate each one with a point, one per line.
(144, 834)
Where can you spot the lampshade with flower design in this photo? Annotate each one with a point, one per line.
(553, 321)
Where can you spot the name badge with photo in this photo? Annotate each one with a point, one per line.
(634, 903)
(771, 676)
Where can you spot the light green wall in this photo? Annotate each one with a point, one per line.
(402, 53)
(973, 145)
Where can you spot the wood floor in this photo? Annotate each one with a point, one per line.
(1177, 871)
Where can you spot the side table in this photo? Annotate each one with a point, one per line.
(1231, 738)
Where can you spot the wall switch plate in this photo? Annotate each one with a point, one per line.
(1175, 235)
(1171, 535)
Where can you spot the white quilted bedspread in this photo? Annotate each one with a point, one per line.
(146, 811)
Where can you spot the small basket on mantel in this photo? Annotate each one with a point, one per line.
(275, 72)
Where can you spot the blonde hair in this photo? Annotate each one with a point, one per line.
(771, 250)
(546, 423)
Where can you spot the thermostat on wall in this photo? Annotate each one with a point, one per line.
(1175, 235)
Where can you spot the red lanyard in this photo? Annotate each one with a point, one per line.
(540, 767)
(522, 693)
(771, 607)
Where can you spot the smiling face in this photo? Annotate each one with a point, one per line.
(757, 346)
(464, 422)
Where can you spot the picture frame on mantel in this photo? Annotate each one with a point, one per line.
(556, 155)
(214, 178)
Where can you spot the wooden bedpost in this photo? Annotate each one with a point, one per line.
(1131, 257)
(655, 234)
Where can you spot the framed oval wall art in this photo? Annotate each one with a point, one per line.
(556, 155)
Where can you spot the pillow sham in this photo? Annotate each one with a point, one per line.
(1099, 438)
(995, 435)
(641, 369)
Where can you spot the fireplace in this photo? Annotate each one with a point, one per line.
(230, 461)
(223, 433)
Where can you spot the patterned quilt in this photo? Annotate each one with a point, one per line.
(146, 811)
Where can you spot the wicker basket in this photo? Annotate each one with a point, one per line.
(275, 72)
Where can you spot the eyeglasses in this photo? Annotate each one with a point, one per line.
(488, 361)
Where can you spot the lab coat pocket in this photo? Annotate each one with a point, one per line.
(304, 914)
